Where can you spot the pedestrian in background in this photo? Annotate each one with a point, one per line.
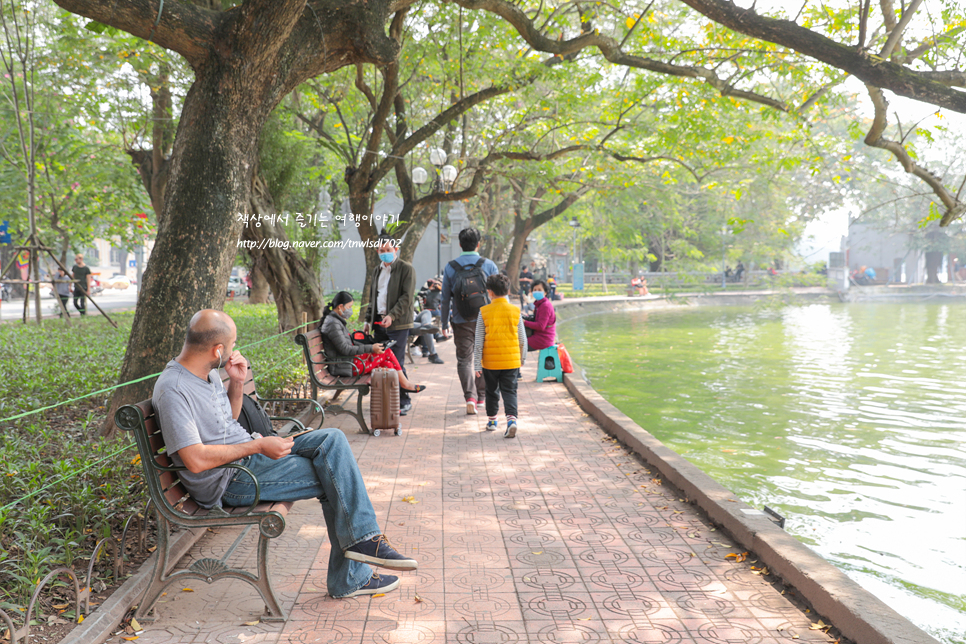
(462, 308)
(82, 283)
(62, 286)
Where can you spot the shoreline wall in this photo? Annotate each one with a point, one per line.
(857, 613)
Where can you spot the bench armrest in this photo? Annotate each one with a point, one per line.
(299, 425)
(318, 407)
(226, 466)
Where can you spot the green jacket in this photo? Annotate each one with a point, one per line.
(401, 299)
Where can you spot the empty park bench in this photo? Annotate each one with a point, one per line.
(175, 507)
(319, 376)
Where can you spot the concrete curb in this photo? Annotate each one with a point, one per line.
(101, 624)
(857, 613)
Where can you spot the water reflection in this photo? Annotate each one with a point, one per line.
(847, 418)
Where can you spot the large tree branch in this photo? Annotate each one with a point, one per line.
(259, 29)
(405, 146)
(611, 51)
(333, 33)
(879, 73)
(954, 207)
(570, 199)
(644, 160)
(181, 27)
(952, 77)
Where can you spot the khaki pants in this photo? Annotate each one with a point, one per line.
(464, 337)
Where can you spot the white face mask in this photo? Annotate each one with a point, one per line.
(347, 312)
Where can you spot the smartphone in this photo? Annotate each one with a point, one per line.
(389, 344)
(304, 431)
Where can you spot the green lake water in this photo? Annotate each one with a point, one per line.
(848, 419)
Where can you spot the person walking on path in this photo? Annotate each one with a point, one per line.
(471, 267)
(390, 314)
(198, 419)
(543, 327)
(82, 283)
(62, 285)
(500, 349)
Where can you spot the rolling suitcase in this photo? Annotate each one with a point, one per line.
(384, 401)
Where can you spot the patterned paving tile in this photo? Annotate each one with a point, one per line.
(557, 536)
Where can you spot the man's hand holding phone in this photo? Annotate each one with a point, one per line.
(276, 447)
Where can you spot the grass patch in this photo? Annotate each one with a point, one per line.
(42, 454)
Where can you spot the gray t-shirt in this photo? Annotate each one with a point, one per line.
(191, 411)
(62, 284)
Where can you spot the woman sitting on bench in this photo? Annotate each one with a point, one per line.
(365, 357)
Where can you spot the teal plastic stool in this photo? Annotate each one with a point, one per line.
(548, 365)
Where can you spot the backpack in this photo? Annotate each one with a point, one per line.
(254, 419)
(469, 289)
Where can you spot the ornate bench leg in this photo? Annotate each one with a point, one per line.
(358, 414)
(273, 611)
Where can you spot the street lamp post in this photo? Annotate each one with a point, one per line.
(575, 225)
(445, 176)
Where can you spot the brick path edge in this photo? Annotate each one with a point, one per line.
(856, 612)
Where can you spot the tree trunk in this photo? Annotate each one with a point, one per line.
(521, 231)
(360, 203)
(244, 59)
(259, 291)
(414, 233)
(208, 186)
(934, 260)
(292, 281)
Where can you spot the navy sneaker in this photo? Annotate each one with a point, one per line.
(491, 425)
(379, 552)
(511, 429)
(376, 585)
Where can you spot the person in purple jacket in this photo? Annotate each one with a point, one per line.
(542, 329)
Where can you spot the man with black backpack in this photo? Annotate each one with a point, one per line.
(464, 282)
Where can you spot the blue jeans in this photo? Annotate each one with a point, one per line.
(320, 466)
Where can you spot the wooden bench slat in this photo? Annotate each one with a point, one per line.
(175, 495)
(157, 442)
(168, 480)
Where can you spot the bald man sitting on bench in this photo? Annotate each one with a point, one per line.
(198, 419)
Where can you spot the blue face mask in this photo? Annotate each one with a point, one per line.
(387, 257)
(538, 295)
